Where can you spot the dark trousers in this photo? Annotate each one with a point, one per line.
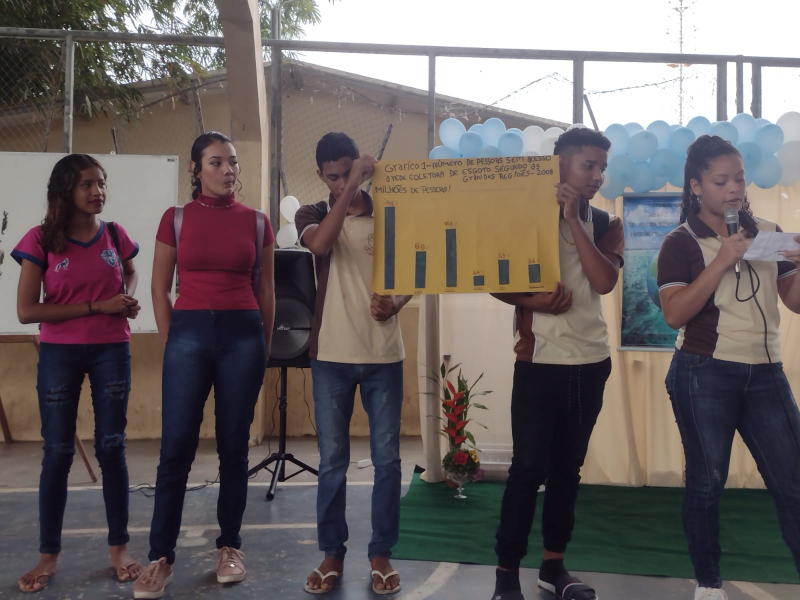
(225, 349)
(553, 411)
(59, 379)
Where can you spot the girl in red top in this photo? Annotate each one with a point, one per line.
(217, 334)
(84, 329)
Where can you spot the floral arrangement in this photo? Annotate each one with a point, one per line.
(461, 461)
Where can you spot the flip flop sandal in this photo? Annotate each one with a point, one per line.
(384, 578)
(44, 579)
(307, 587)
(128, 573)
(571, 586)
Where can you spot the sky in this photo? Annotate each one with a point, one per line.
(737, 27)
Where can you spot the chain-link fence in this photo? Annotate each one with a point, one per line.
(31, 91)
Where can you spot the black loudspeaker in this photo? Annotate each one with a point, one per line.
(295, 293)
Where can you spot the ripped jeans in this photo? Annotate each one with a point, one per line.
(60, 375)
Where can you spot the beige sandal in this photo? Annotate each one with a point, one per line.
(384, 592)
(43, 579)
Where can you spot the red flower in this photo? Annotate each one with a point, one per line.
(452, 417)
(456, 395)
(460, 458)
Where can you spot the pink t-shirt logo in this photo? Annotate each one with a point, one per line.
(62, 265)
(110, 257)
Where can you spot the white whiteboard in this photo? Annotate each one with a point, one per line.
(140, 189)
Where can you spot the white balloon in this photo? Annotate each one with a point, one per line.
(289, 206)
(287, 236)
(790, 123)
(789, 157)
(577, 126)
(534, 152)
(548, 146)
(553, 132)
(532, 138)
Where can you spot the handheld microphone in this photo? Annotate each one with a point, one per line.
(732, 224)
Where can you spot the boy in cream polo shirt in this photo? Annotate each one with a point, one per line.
(563, 362)
(355, 341)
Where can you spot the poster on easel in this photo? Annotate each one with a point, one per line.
(470, 225)
(647, 219)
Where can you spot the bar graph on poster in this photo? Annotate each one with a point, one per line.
(466, 225)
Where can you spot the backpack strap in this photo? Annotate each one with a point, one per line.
(260, 228)
(112, 230)
(601, 219)
(177, 224)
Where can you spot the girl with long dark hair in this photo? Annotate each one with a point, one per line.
(726, 374)
(217, 334)
(86, 268)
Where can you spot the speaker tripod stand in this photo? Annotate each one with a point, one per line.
(281, 457)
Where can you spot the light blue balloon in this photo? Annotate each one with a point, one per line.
(632, 128)
(769, 138)
(661, 130)
(676, 177)
(699, 126)
(768, 172)
(643, 180)
(674, 127)
(442, 152)
(663, 162)
(727, 131)
(510, 144)
(619, 137)
(660, 182)
(514, 130)
(751, 155)
(620, 168)
(760, 122)
(470, 144)
(612, 190)
(492, 130)
(746, 126)
(450, 131)
(680, 140)
(477, 127)
(643, 145)
(489, 152)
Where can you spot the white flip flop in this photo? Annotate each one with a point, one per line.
(322, 578)
(384, 578)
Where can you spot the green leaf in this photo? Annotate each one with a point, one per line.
(453, 368)
(470, 437)
(480, 406)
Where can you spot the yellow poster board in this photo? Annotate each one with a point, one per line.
(466, 225)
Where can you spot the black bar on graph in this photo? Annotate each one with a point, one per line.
(420, 269)
(388, 248)
(503, 267)
(451, 258)
(478, 280)
(534, 274)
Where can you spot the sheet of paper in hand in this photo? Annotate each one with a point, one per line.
(767, 244)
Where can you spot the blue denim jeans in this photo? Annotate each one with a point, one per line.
(59, 379)
(225, 349)
(382, 396)
(712, 399)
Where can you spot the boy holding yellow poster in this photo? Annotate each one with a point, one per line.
(563, 362)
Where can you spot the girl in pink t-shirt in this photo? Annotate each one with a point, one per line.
(86, 269)
(217, 334)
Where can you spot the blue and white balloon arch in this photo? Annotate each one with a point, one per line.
(643, 159)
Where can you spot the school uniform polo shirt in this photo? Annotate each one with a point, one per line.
(343, 329)
(725, 328)
(82, 272)
(578, 336)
